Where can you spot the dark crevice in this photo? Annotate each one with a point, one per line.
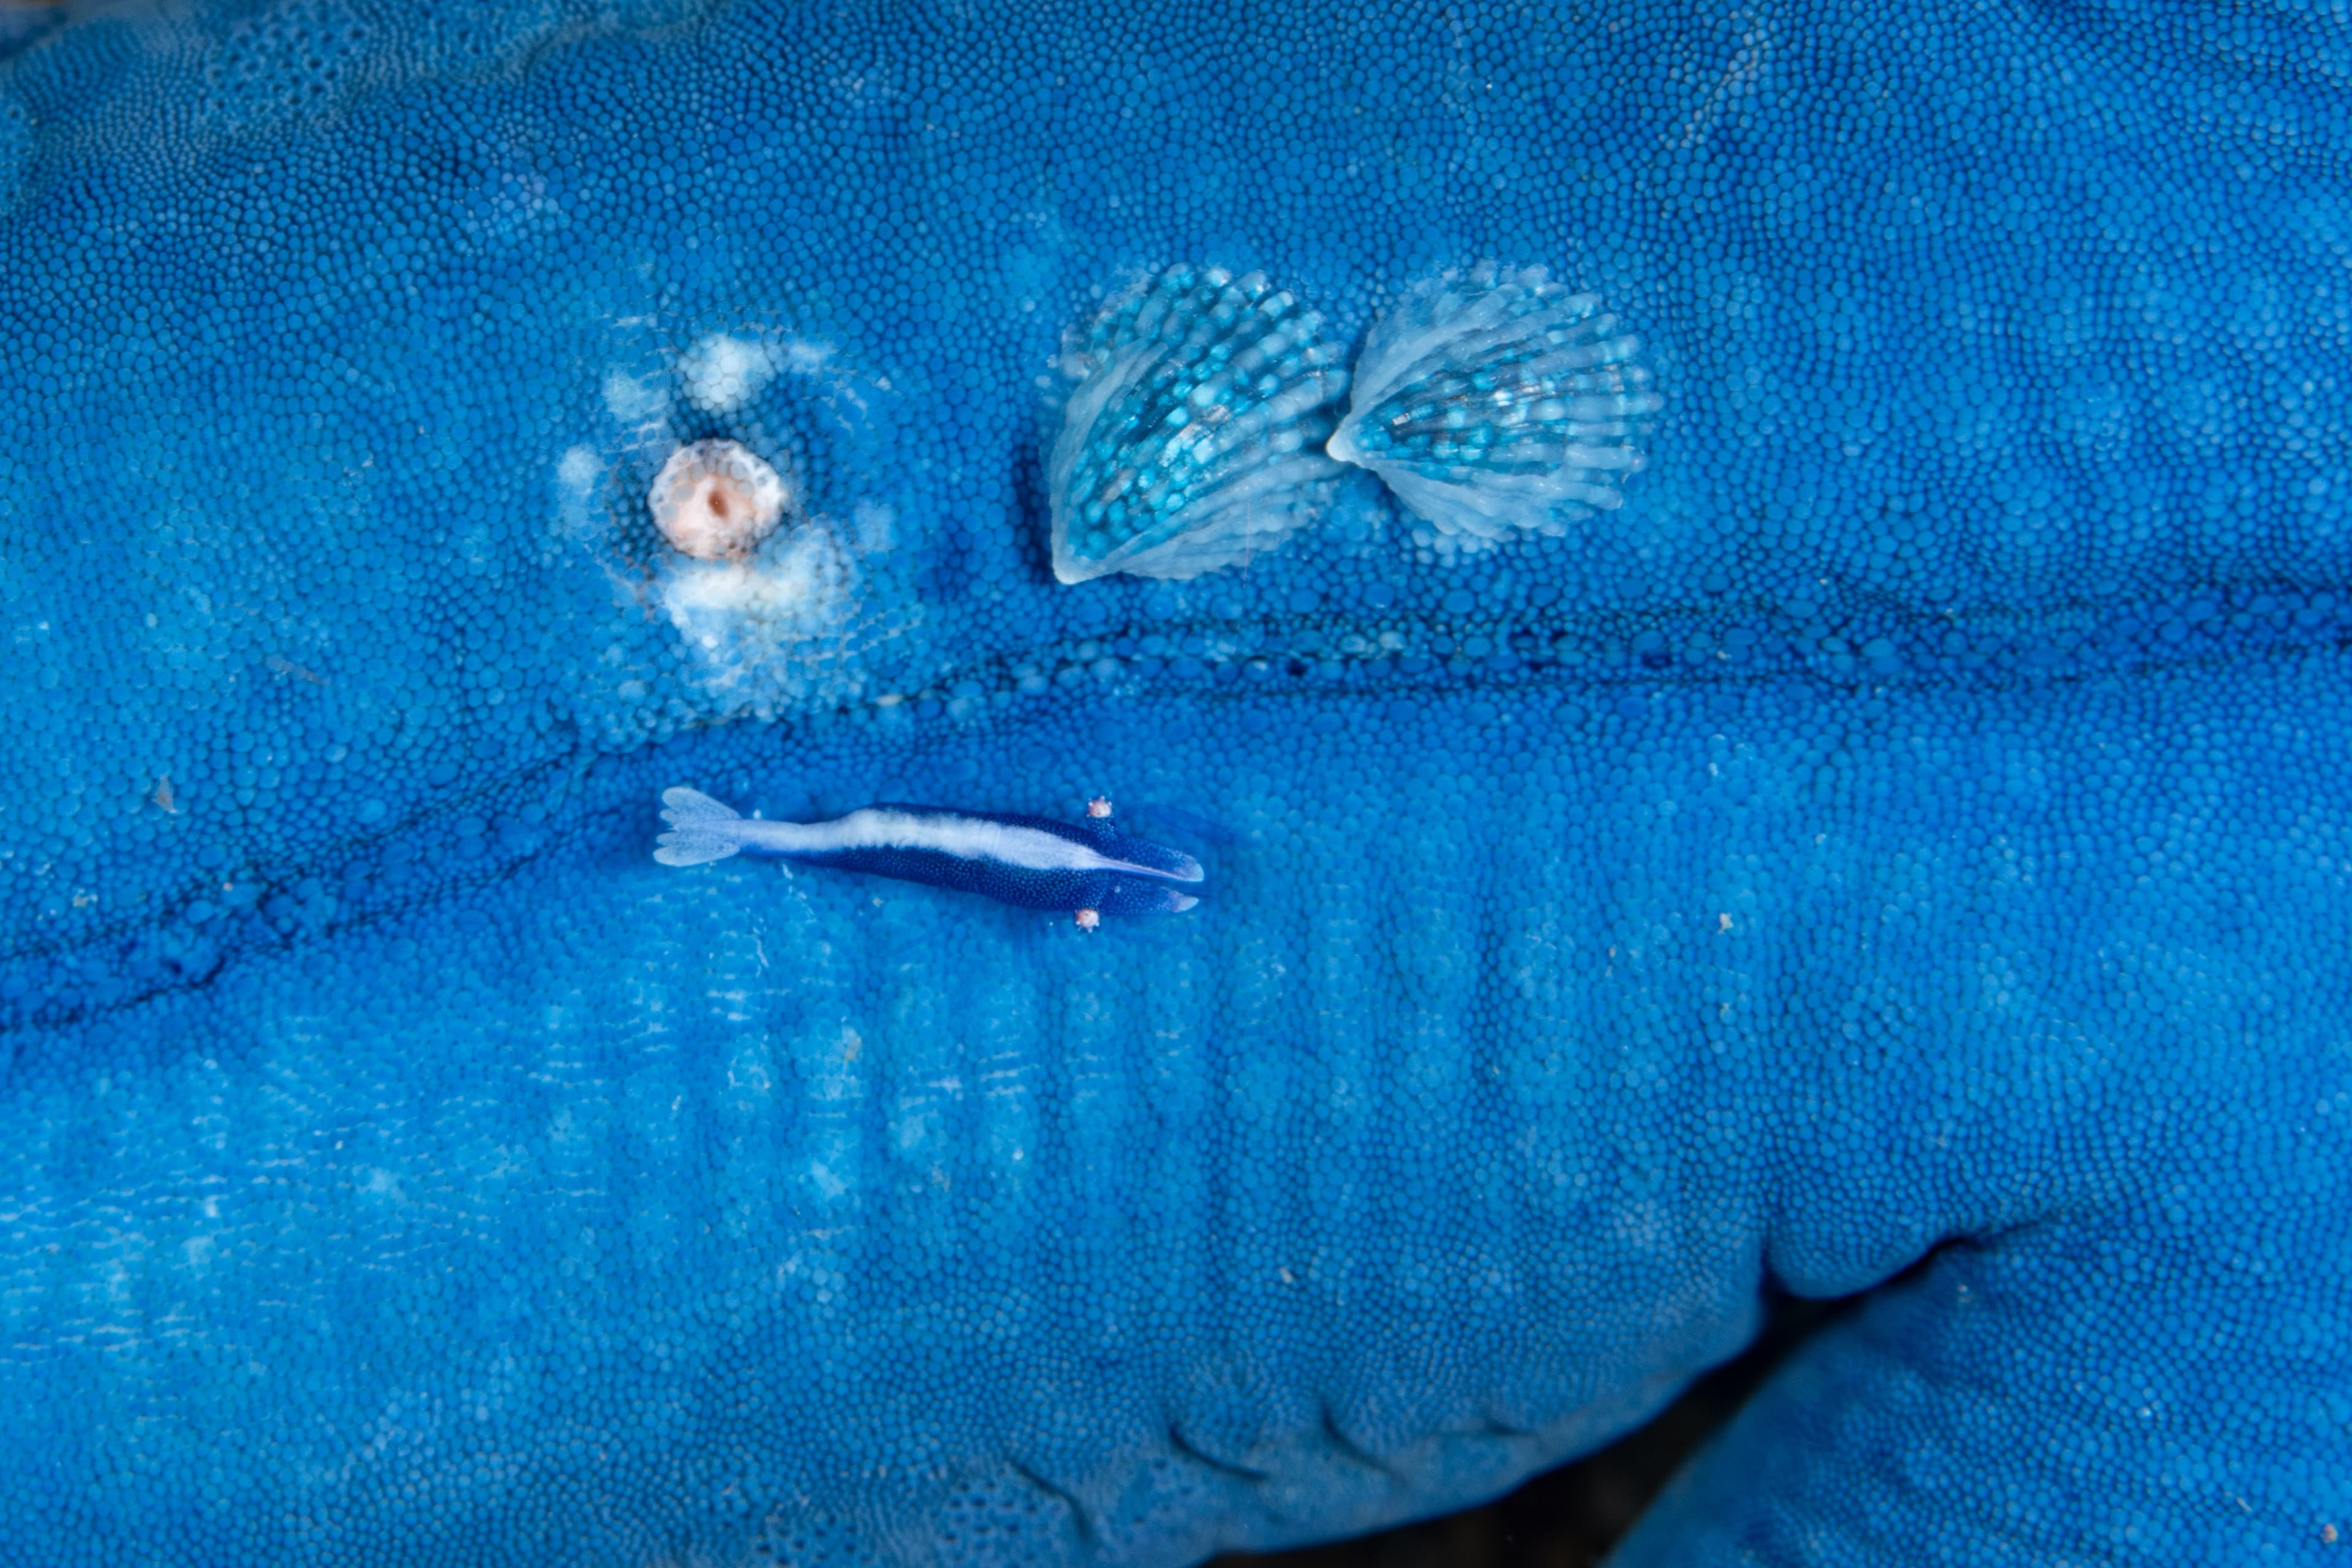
(1080, 1519)
(1351, 1448)
(1572, 1517)
(1176, 1440)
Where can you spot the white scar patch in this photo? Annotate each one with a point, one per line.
(632, 401)
(722, 373)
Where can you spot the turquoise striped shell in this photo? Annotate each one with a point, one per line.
(1193, 438)
(1493, 403)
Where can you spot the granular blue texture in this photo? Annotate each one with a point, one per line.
(1905, 847)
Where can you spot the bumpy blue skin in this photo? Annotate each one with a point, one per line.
(1904, 850)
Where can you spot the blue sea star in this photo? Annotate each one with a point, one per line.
(1903, 849)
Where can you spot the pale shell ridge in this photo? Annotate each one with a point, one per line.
(1494, 402)
(1194, 437)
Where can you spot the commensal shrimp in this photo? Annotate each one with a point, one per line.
(1039, 864)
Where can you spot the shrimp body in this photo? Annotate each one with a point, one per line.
(1032, 861)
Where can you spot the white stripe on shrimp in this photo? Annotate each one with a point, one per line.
(703, 829)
